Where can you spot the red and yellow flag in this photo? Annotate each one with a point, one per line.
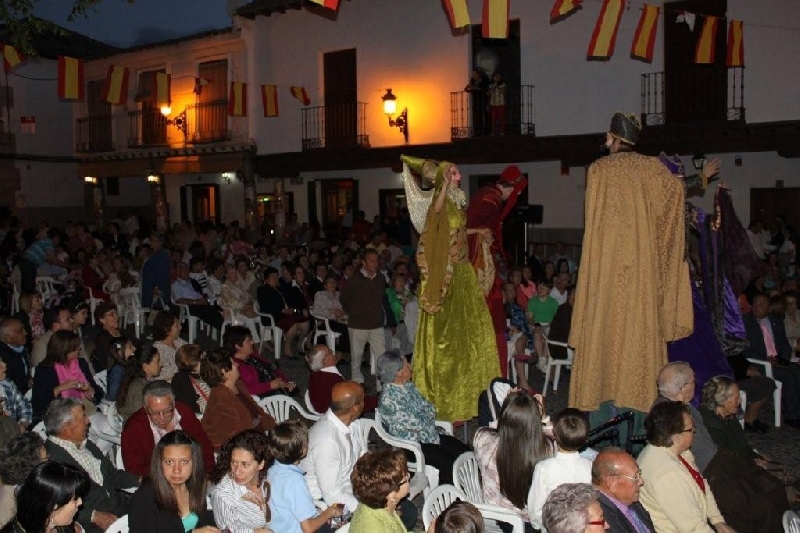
(644, 40)
(495, 19)
(237, 101)
(605, 31)
(735, 44)
(330, 4)
(563, 8)
(301, 94)
(11, 57)
(115, 91)
(163, 88)
(70, 78)
(269, 97)
(706, 43)
(457, 12)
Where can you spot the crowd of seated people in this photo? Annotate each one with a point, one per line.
(180, 403)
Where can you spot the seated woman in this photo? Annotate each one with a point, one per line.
(719, 409)
(758, 388)
(236, 301)
(380, 480)
(230, 407)
(292, 507)
(407, 415)
(271, 301)
(525, 287)
(63, 374)
(298, 296)
(241, 492)
(675, 494)
(520, 333)
(121, 351)
(509, 454)
(188, 386)
(246, 276)
(327, 305)
(459, 517)
(173, 498)
(49, 498)
(17, 458)
(107, 316)
(93, 278)
(261, 376)
(167, 340)
(31, 314)
(143, 366)
(574, 508)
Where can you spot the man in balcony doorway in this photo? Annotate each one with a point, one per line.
(487, 209)
(497, 104)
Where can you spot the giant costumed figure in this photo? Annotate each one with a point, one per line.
(455, 355)
(633, 293)
(487, 209)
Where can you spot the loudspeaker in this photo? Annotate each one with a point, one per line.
(531, 214)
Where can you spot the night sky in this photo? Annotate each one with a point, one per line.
(121, 24)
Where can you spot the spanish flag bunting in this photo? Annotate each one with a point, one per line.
(495, 19)
(163, 86)
(115, 91)
(11, 57)
(644, 39)
(605, 31)
(457, 12)
(237, 101)
(70, 78)
(301, 94)
(330, 4)
(564, 8)
(735, 44)
(704, 52)
(269, 96)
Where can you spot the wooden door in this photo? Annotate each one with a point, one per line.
(212, 102)
(692, 92)
(341, 99)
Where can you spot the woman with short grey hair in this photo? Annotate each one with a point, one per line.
(573, 508)
(406, 414)
(720, 409)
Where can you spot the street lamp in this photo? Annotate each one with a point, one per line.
(152, 178)
(90, 180)
(179, 121)
(390, 108)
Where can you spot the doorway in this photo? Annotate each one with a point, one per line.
(341, 99)
(200, 203)
(391, 202)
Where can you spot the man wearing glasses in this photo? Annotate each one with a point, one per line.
(618, 478)
(159, 415)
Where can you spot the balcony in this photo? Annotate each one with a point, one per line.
(94, 134)
(335, 126)
(146, 127)
(208, 122)
(654, 107)
(470, 116)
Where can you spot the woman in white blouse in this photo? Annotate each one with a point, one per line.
(327, 305)
(167, 340)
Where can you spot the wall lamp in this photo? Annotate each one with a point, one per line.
(90, 180)
(698, 160)
(179, 121)
(390, 108)
(153, 179)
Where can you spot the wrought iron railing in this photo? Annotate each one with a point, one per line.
(94, 134)
(146, 127)
(208, 122)
(471, 116)
(653, 106)
(335, 126)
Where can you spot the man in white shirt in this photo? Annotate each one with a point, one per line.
(559, 291)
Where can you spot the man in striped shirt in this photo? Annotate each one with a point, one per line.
(42, 250)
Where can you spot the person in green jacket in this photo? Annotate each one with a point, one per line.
(380, 480)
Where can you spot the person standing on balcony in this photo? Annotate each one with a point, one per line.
(477, 87)
(497, 104)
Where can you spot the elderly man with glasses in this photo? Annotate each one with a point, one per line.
(618, 478)
(159, 415)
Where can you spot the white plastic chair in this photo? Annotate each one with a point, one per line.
(280, 407)
(93, 302)
(323, 329)
(131, 310)
(101, 378)
(791, 522)
(120, 525)
(743, 404)
(39, 428)
(437, 501)
(45, 285)
(235, 319)
(776, 395)
(15, 301)
(309, 406)
(492, 514)
(186, 316)
(557, 364)
(467, 477)
(275, 333)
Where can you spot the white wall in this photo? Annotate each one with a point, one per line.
(133, 191)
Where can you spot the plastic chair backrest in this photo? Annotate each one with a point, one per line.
(467, 477)
(437, 501)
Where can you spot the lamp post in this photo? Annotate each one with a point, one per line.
(390, 108)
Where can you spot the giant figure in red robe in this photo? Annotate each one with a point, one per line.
(487, 209)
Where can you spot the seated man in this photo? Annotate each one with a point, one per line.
(160, 415)
(618, 478)
(12, 403)
(768, 342)
(324, 375)
(14, 354)
(335, 443)
(184, 293)
(54, 319)
(67, 428)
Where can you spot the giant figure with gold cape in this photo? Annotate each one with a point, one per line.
(455, 355)
(633, 293)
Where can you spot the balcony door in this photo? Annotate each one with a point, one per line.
(502, 56)
(211, 120)
(200, 203)
(153, 123)
(341, 99)
(95, 131)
